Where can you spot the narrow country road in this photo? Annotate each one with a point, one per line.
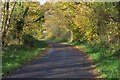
(60, 61)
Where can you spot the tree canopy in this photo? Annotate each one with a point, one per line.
(98, 24)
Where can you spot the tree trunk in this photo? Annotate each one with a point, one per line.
(6, 7)
(7, 14)
(71, 37)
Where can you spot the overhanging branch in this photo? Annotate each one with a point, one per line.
(114, 19)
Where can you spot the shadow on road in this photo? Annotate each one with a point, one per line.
(61, 61)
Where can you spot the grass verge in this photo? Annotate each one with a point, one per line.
(108, 65)
(15, 56)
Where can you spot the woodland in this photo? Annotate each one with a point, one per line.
(93, 26)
